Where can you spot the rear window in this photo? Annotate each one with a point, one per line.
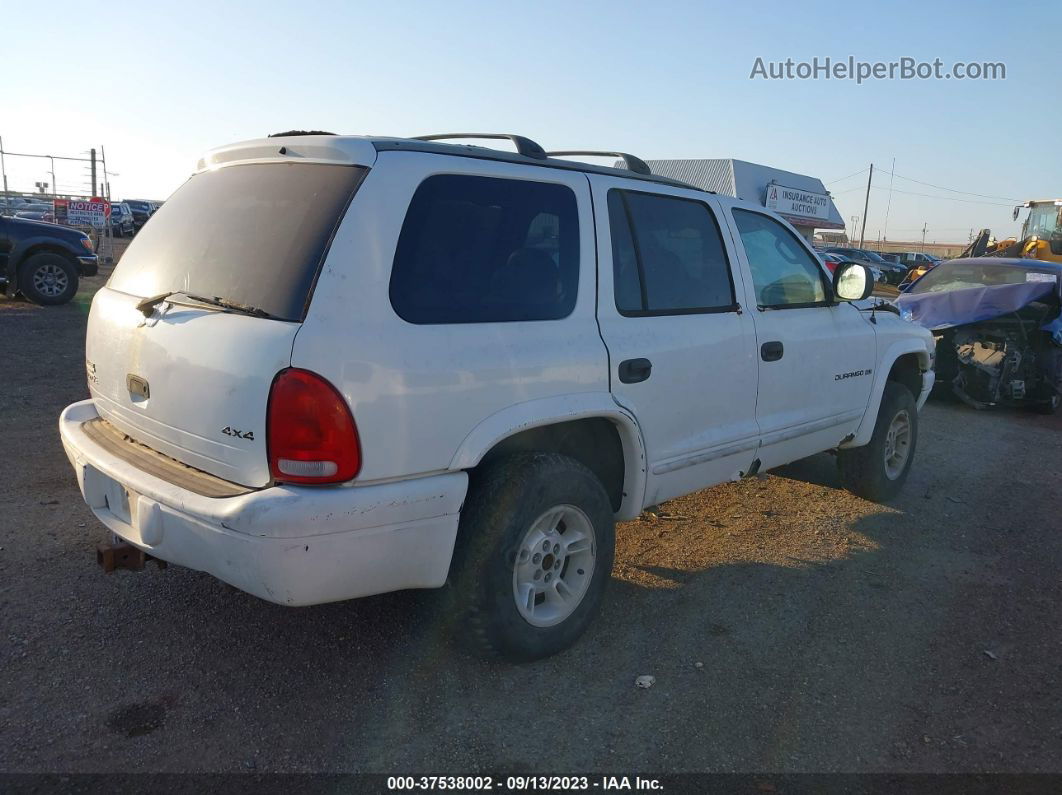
(253, 234)
(483, 249)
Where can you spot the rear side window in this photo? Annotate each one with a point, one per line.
(253, 234)
(484, 250)
(667, 256)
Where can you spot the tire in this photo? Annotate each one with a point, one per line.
(1049, 406)
(870, 471)
(514, 502)
(48, 279)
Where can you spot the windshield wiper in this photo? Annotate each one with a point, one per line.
(147, 306)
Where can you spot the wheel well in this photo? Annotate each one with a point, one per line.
(593, 442)
(907, 371)
(46, 248)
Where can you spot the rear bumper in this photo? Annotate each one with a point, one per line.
(287, 544)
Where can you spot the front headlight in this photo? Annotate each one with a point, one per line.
(87, 243)
(906, 314)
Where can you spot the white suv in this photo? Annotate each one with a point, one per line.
(337, 366)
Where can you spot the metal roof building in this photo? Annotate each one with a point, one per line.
(800, 199)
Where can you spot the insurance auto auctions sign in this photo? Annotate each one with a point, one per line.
(799, 203)
(78, 212)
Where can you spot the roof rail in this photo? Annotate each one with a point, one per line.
(635, 164)
(524, 146)
(291, 133)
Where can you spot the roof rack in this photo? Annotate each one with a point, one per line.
(635, 164)
(524, 146)
(292, 133)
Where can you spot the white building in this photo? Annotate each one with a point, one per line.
(800, 199)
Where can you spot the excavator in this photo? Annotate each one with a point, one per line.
(1041, 235)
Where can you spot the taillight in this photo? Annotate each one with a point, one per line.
(310, 433)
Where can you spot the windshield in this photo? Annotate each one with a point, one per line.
(947, 277)
(250, 234)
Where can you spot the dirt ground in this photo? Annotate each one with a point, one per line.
(835, 634)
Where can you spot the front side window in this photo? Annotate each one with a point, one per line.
(783, 272)
(482, 249)
(667, 256)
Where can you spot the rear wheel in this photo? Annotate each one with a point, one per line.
(878, 470)
(1049, 406)
(535, 550)
(48, 279)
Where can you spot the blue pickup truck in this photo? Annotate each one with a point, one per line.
(43, 261)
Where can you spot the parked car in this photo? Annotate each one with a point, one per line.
(833, 260)
(917, 264)
(122, 222)
(461, 370)
(141, 210)
(43, 261)
(891, 273)
(998, 329)
(36, 214)
(9, 205)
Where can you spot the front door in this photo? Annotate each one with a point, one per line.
(816, 357)
(680, 340)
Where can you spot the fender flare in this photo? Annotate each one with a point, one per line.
(19, 252)
(893, 352)
(564, 408)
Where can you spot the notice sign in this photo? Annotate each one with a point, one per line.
(79, 212)
(798, 203)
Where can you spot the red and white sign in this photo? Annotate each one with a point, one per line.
(81, 212)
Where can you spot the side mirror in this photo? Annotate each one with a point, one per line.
(852, 282)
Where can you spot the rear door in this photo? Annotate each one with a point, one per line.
(192, 380)
(680, 342)
(816, 357)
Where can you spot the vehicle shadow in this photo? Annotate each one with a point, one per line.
(743, 578)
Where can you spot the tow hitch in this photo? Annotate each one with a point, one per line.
(121, 555)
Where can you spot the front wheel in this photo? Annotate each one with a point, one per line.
(878, 470)
(535, 549)
(1049, 406)
(48, 279)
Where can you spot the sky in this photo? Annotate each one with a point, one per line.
(158, 85)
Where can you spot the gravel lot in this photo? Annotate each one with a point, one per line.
(835, 634)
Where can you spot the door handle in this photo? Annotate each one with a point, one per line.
(771, 351)
(632, 371)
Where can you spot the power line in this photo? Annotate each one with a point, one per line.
(842, 179)
(954, 190)
(943, 198)
(923, 195)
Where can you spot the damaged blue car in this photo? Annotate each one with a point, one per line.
(998, 329)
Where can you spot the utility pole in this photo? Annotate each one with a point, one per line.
(105, 188)
(888, 207)
(93, 156)
(3, 170)
(866, 204)
(924, 225)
